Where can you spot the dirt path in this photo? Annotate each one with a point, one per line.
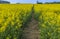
(31, 31)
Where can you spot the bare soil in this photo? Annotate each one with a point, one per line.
(31, 31)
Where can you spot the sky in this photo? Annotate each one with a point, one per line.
(31, 1)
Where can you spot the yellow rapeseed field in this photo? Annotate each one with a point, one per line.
(12, 18)
(48, 16)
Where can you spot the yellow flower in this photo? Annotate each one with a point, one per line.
(12, 23)
(3, 28)
(7, 38)
(1, 20)
(43, 25)
(15, 38)
(49, 33)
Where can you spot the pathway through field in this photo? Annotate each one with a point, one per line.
(31, 31)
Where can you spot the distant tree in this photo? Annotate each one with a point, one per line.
(39, 2)
(17, 3)
(52, 2)
(48, 2)
(4, 2)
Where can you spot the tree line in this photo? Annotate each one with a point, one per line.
(48, 2)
